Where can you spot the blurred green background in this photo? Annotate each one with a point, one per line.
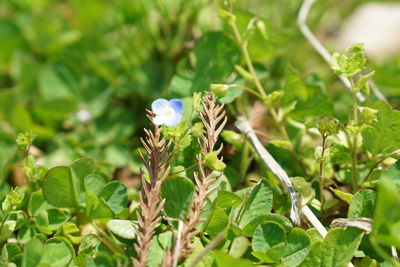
(80, 73)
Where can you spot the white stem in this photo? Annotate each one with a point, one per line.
(177, 243)
(312, 39)
(244, 126)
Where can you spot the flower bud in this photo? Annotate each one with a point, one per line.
(328, 126)
(220, 90)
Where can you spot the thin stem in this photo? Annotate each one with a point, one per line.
(262, 95)
(113, 245)
(354, 144)
(210, 246)
(247, 58)
(321, 176)
(249, 90)
(377, 164)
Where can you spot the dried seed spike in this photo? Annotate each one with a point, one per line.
(150, 203)
(211, 116)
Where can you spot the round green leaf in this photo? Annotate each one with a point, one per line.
(59, 188)
(178, 193)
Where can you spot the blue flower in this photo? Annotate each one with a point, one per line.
(167, 112)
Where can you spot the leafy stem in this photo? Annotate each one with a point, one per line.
(243, 48)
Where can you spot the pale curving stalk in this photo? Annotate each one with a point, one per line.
(316, 44)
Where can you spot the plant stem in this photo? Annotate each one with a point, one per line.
(262, 95)
(321, 177)
(247, 58)
(379, 162)
(354, 144)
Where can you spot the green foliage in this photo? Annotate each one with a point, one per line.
(336, 249)
(76, 78)
(351, 62)
(382, 136)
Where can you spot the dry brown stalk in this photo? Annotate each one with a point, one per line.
(214, 120)
(155, 163)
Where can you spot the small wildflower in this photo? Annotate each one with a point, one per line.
(168, 113)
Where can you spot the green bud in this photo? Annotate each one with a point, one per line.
(220, 90)
(232, 137)
(368, 115)
(211, 161)
(12, 200)
(197, 129)
(196, 100)
(362, 82)
(328, 126)
(230, 17)
(274, 99)
(25, 140)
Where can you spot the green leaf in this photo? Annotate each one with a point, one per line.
(239, 247)
(233, 93)
(178, 193)
(205, 261)
(56, 254)
(248, 230)
(80, 168)
(7, 230)
(362, 204)
(224, 260)
(386, 225)
(13, 251)
(383, 135)
(347, 197)
(258, 203)
(32, 253)
(115, 196)
(57, 218)
(60, 189)
(269, 238)
(216, 55)
(158, 245)
(217, 222)
(227, 199)
(297, 247)
(336, 250)
(101, 259)
(393, 173)
(25, 233)
(37, 203)
(306, 97)
(95, 206)
(124, 228)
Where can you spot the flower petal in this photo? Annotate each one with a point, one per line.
(159, 105)
(159, 119)
(176, 104)
(173, 120)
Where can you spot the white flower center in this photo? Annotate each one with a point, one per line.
(169, 112)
